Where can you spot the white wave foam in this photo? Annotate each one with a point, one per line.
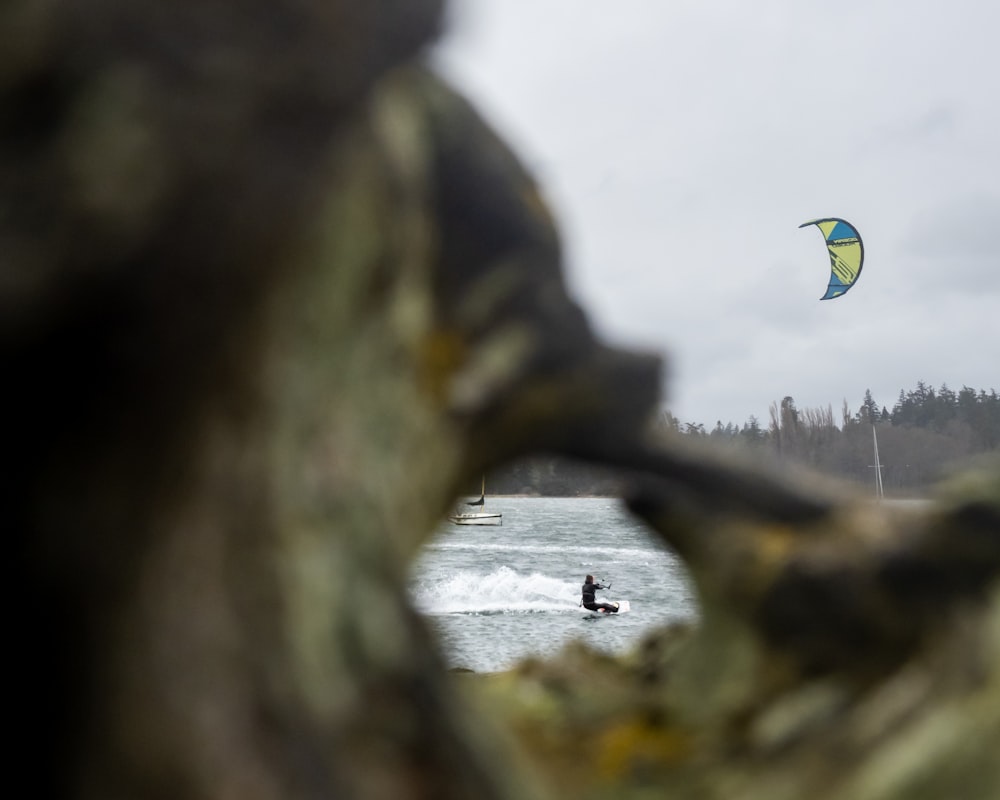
(498, 592)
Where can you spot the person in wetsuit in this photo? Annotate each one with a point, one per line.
(590, 600)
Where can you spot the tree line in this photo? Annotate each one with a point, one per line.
(925, 435)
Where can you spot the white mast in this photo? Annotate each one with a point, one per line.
(879, 493)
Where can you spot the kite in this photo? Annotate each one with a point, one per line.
(847, 254)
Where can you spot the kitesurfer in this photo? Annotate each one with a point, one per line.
(590, 600)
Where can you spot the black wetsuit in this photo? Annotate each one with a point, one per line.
(590, 601)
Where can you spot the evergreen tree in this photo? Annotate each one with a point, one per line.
(752, 433)
(868, 412)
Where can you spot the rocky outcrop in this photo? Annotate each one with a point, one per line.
(849, 654)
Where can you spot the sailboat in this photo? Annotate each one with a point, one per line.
(482, 517)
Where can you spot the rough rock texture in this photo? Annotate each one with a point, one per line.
(269, 292)
(851, 654)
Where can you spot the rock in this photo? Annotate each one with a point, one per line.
(852, 654)
(271, 292)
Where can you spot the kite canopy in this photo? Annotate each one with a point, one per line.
(847, 254)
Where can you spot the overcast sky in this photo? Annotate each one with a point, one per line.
(682, 143)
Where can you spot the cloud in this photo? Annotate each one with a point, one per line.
(682, 145)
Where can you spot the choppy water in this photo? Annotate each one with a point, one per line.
(499, 594)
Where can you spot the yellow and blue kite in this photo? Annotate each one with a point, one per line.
(847, 254)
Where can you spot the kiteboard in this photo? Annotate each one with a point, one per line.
(623, 608)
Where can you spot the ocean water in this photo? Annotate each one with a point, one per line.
(497, 595)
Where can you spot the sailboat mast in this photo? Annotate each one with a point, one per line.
(482, 496)
(879, 492)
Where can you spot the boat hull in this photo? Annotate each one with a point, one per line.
(476, 519)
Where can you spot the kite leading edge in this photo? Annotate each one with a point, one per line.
(847, 254)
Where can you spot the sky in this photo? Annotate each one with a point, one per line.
(682, 143)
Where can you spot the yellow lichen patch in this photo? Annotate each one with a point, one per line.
(636, 746)
(775, 543)
(442, 353)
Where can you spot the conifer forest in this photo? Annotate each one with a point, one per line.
(923, 436)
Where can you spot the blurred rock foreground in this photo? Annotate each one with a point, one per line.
(270, 293)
